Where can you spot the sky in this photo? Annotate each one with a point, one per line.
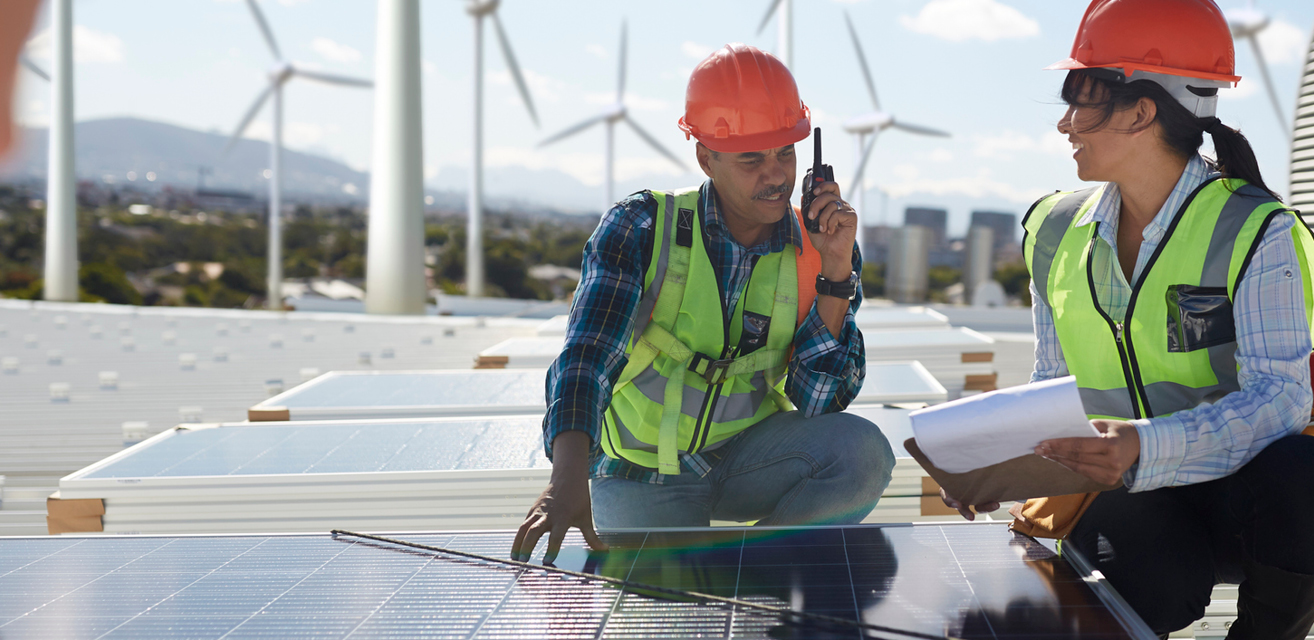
(970, 67)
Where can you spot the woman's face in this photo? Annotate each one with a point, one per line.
(1101, 152)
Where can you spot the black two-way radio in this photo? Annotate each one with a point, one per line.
(818, 174)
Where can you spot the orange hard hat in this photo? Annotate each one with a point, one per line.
(1187, 38)
(740, 99)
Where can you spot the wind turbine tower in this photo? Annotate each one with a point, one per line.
(1246, 24)
(61, 268)
(610, 115)
(474, 240)
(871, 124)
(784, 12)
(394, 268)
(279, 75)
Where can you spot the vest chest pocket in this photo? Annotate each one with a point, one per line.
(1198, 318)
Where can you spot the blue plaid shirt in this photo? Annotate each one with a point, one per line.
(825, 373)
(1273, 346)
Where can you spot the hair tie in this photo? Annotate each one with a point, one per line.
(1212, 123)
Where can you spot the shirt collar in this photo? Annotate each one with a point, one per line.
(785, 232)
(1108, 208)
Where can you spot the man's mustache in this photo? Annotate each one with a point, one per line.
(771, 191)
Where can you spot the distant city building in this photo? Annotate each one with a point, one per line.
(935, 220)
(1004, 225)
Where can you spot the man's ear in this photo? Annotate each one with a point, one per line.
(705, 159)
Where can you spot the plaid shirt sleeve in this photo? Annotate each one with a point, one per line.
(580, 380)
(1273, 349)
(826, 373)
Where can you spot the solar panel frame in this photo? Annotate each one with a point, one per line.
(887, 382)
(316, 586)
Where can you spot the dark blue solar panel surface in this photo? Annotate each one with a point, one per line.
(965, 581)
(299, 448)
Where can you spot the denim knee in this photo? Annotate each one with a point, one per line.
(861, 451)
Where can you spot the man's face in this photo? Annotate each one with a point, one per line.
(753, 186)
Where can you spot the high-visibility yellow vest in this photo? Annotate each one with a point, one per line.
(692, 379)
(1176, 346)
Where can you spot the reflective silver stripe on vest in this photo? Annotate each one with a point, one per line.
(1107, 402)
(1171, 397)
(729, 406)
(1050, 235)
(1218, 259)
(649, 301)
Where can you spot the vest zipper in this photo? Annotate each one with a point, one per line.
(703, 426)
(1116, 328)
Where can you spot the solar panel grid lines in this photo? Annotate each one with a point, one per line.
(315, 586)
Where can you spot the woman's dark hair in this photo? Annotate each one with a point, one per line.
(1181, 130)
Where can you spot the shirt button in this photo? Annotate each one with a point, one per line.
(1287, 273)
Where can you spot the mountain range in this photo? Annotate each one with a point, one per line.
(127, 150)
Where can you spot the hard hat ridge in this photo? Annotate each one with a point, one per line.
(741, 98)
(1183, 45)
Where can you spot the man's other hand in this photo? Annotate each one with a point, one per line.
(1104, 459)
(564, 504)
(966, 510)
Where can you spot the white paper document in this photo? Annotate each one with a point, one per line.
(981, 430)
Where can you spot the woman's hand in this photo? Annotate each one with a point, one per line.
(965, 510)
(1104, 459)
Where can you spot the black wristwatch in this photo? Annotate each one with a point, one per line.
(847, 289)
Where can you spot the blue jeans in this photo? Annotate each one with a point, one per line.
(785, 470)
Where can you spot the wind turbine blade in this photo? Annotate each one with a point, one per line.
(620, 80)
(250, 115)
(1268, 84)
(919, 130)
(515, 68)
(862, 165)
(332, 78)
(575, 129)
(862, 61)
(32, 66)
(652, 142)
(767, 18)
(264, 28)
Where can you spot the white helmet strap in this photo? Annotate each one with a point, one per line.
(1198, 95)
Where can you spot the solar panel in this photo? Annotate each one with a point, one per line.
(978, 581)
(397, 394)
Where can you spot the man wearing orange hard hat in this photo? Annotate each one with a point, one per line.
(711, 346)
(1179, 295)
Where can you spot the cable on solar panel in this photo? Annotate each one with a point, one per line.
(677, 595)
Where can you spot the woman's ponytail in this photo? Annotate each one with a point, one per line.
(1235, 157)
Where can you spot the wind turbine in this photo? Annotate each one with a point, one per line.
(279, 75)
(1247, 23)
(610, 115)
(872, 124)
(785, 29)
(474, 240)
(34, 67)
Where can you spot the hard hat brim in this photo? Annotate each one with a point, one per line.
(1128, 67)
(755, 142)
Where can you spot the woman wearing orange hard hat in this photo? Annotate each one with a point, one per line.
(1178, 292)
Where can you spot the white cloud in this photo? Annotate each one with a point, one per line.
(1244, 89)
(1008, 144)
(292, 3)
(334, 51)
(597, 50)
(585, 167)
(634, 102)
(428, 67)
(89, 45)
(979, 186)
(541, 87)
(695, 50)
(1283, 42)
(941, 155)
(959, 20)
